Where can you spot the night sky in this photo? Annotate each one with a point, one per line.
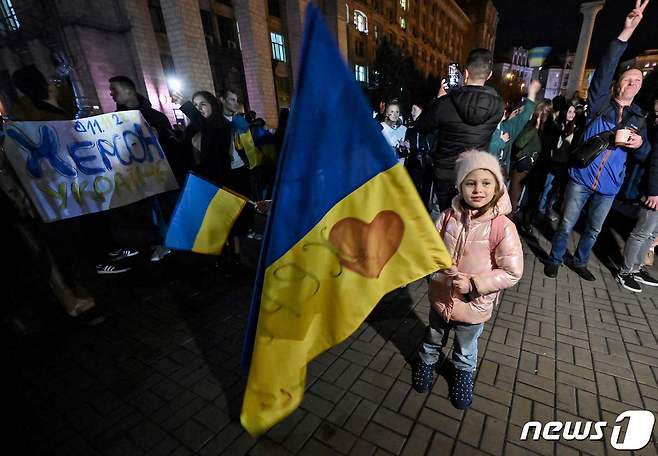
(557, 23)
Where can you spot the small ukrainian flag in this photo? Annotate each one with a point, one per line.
(203, 218)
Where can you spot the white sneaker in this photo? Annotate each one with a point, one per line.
(111, 269)
(122, 254)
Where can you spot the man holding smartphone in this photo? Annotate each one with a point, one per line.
(598, 183)
(463, 118)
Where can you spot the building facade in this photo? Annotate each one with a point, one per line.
(512, 74)
(249, 46)
(432, 32)
(484, 23)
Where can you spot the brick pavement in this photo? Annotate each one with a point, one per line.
(161, 377)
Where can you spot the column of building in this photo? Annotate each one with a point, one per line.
(188, 44)
(295, 10)
(257, 58)
(147, 57)
(589, 10)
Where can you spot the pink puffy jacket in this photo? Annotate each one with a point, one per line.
(468, 243)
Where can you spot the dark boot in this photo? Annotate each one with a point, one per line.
(421, 377)
(461, 389)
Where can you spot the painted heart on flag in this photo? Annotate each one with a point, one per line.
(365, 248)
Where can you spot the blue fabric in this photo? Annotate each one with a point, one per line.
(548, 195)
(240, 124)
(190, 212)
(612, 175)
(262, 136)
(331, 148)
(575, 198)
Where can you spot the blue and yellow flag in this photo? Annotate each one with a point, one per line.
(537, 55)
(245, 141)
(203, 217)
(346, 226)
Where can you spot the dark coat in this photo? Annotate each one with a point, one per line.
(166, 136)
(419, 148)
(216, 140)
(464, 119)
(155, 119)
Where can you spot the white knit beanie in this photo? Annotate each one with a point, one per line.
(476, 159)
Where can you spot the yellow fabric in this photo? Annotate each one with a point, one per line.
(222, 212)
(269, 154)
(245, 142)
(318, 293)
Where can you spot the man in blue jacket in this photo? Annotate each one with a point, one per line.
(600, 182)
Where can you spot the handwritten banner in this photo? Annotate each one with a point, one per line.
(76, 167)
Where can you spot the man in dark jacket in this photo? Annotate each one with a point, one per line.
(600, 182)
(463, 119)
(642, 239)
(131, 227)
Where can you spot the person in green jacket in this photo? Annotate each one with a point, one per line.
(526, 150)
(509, 129)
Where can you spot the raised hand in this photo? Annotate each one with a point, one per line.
(633, 19)
(533, 89)
(635, 16)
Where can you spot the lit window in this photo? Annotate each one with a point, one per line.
(361, 21)
(403, 4)
(403, 23)
(278, 48)
(360, 73)
(9, 18)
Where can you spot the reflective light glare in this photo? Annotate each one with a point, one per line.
(174, 84)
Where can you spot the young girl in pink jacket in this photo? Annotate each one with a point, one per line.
(487, 258)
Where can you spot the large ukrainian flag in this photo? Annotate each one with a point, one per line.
(203, 218)
(346, 226)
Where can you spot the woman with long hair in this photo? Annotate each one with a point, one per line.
(214, 154)
(570, 126)
(208, 136)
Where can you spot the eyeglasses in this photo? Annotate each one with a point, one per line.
(56, 82)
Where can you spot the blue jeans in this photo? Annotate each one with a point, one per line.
(465, 349)
(640, 241)
(575, 198)
(548, 195)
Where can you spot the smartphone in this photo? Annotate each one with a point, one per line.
(455, 77)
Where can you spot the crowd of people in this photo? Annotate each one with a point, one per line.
(482, 168)
(213, 145)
